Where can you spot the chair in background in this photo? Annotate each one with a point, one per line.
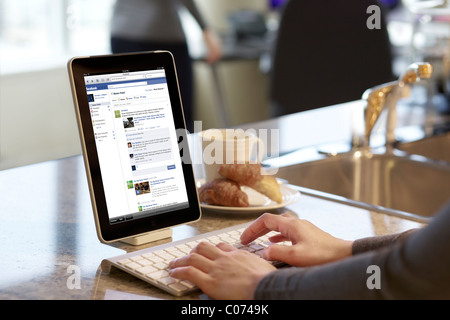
(325, 54)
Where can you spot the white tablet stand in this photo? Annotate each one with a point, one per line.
(148, 237)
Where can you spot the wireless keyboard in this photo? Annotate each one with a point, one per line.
(151, 264)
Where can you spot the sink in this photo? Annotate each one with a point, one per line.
(436, 147)
(395, 184)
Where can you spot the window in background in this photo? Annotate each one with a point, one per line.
(41, 33)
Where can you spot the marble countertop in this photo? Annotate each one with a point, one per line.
(48, 234)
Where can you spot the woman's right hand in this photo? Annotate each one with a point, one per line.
(310, 245)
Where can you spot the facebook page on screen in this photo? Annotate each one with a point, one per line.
(136, 144)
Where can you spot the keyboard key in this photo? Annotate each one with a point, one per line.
(157, 275)
(133, 265)
(166, 256)
(136, 258)
(184, 248)
(177, 286)
(192, 244)
(155, 259)
(238, 245)
(161, 265)
(145, 262)
(257, 246)
(146, 270)
(177, 254)
(166, 281)
(249, 249)
(188, 284)
(124, 261)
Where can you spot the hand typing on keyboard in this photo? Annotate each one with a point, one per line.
(224, 272)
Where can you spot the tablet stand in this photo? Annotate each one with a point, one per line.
(148, 237)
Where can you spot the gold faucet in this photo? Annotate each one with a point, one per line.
(385, 96)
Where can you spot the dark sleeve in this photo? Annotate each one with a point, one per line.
(416, 268)
(373, 243)
(192, 7)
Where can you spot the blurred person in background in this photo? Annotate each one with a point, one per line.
(147, 25)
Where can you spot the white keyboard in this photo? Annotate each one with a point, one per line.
(151, 264)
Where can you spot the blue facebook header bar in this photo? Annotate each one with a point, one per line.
(117, 85)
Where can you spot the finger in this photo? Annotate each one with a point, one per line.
(207, 250)
(194, 260)
(277, 252)
(256, 229)
(278, 238)
(191, 274)
(264, 224)
(225, 247)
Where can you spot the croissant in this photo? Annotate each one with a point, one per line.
(223, 192)
(250, 176)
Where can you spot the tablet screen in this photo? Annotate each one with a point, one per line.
(136, 143)
(131, 123)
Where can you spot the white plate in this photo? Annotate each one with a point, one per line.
(257, 201)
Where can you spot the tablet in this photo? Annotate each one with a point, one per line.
(134, 143)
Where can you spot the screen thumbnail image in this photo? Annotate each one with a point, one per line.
(128, 123)
(142, 188)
